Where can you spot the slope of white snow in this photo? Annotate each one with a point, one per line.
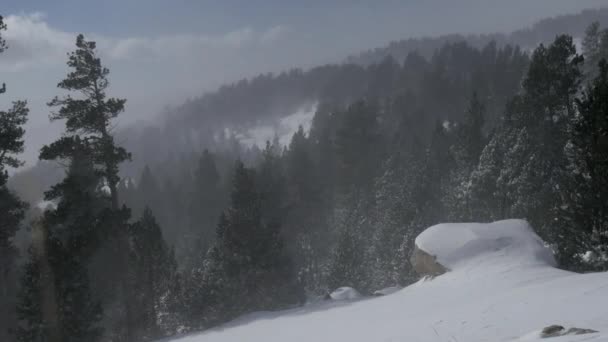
(284, 128)
(502, 287)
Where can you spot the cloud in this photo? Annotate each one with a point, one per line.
(33, 43)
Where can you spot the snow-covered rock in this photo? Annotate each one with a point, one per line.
(502, 286)
(456, 244)
(345, 293)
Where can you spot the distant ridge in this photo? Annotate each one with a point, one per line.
(542, 31)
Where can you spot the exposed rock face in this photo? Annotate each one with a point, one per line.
(552, 331)
(558, 330)
(425, 264)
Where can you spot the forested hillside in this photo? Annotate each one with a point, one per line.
(528, 38)
(174, 228)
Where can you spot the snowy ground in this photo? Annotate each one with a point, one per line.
(502, 287)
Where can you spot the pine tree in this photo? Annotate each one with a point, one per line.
(595, 48)
(350, 262)
(153, 274)
(438, 164)
(12, 209)
(148, 193)
(271, 182)
(584, 209)
(249, 260)
(65, 240)
(88, 119)
(207, 199)
(305, 226)
(359, 149)
(30, 304)
(524, 167)
(467, 148)
(398, 191)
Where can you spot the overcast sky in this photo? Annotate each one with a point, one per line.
(161, 52)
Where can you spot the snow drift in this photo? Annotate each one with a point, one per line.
(456, 244)
(502, 286)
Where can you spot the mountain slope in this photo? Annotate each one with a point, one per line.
(502, 287)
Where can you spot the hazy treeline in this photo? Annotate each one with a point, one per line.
(543, 31)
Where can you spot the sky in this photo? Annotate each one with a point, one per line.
(163, 52)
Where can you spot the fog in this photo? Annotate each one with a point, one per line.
(163, 53)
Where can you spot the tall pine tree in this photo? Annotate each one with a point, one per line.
(12, 209)
(88, 114)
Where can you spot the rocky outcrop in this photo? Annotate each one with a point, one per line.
(426, 264)
(558, 330)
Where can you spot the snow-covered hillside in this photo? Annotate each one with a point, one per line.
(502, 286)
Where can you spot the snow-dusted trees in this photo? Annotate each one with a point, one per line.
(524, 165)
(247, 268)
(583, 207)
(595, 48)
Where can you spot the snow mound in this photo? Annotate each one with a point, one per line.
(387, 291)
(456, 244)
(345, 293)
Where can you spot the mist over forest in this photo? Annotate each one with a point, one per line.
(274, 190)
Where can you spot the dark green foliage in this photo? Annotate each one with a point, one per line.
(349, 264)
(154, 273)
(247, 269)
(90, 115)
(87, 215)
(206, 202)
(12, 209)
(11, 134)
(583, 207)
(526, 168)
(359, 148)
(66, 239)
(30, 302)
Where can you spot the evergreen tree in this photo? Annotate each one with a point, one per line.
(467, 148)
(350, 261)
(153, 273)
(438, 164)
(12, 209)
(148, 193)
(595, 48)
(206, 203)
(248, 258)
(65, 240)
(271, 182)
(359, 148)
(29, 310)
(398, 191)
(524, 165)
(88, 119)
(584, 209)
(305, 226)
